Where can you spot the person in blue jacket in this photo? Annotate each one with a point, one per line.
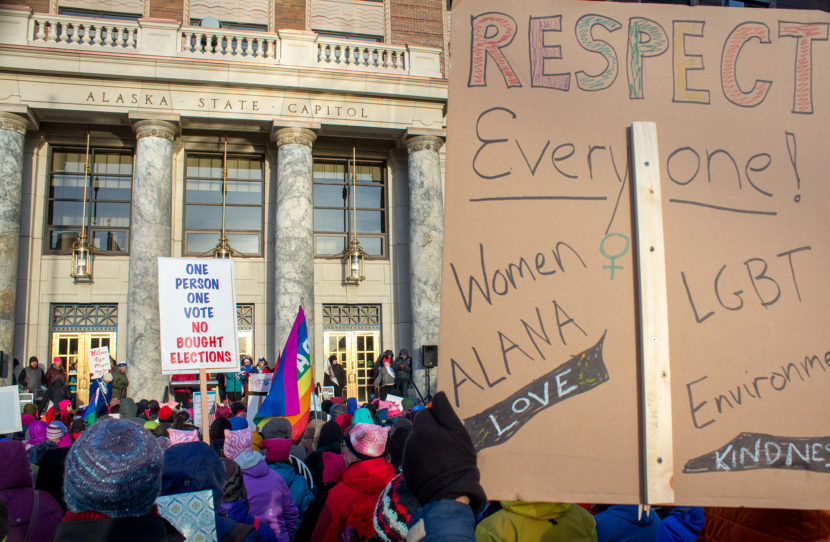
(194, 466)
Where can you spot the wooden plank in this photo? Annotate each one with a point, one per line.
(204, 405)
(654, 327)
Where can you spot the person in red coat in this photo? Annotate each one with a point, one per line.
(351, 503)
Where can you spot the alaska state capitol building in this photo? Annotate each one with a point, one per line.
(122, 120)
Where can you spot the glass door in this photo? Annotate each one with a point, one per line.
(73, 350)
(365, 353)
(357, 351)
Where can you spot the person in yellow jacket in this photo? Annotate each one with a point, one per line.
(542, 521)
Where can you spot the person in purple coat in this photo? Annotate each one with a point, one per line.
(268, 494)
(25, 521)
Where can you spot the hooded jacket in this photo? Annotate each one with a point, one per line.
(120, 382)
(620, 523)
(403, 366)
(351, 503)
(268, 495)
(193, 466)
(542, 521)
(16, 490)
(276, 455)
(57, 392)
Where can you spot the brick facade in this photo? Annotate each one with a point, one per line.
(418, 22)
(38, 6)
(289, 14)
(167, 9)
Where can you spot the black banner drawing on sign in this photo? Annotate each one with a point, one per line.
(751, 451)
(584, 371)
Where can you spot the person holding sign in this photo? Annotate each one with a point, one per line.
(385, 379)
(335, 376)
(120, 382)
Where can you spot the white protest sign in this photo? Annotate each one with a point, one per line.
(99, 361)
(259, 384)
(197, 406)
(197, 313)
(10, 421)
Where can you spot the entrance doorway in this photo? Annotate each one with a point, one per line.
(357, 352)
(352, 333)
(75, 330)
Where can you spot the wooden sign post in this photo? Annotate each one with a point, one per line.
(203, 376)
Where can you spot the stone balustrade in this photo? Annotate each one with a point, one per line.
(223, 44)
(347, 54)
(163, 38)
(83, 33)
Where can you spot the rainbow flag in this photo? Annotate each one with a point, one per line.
(292, 385)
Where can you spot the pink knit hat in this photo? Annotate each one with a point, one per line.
(177, 436)
(237, 442)
(367, 439)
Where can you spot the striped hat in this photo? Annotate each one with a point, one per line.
(55, 431)
(394, 510)
(113, 468)
(178, 436)
(237, 442)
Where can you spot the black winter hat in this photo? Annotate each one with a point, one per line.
(439, 460)
(237, 407)
(330, 433)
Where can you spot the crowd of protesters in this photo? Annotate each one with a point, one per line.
(381, 471)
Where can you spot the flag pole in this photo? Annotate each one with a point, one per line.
(204, 405)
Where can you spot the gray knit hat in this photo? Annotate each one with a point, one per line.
(276, 428)
(114, 468)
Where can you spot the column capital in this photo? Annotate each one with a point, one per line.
(13, 122)
(424, 143)
(155, 128)
(293, 135)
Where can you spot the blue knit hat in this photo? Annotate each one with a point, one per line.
(238, 422)
(114, 468)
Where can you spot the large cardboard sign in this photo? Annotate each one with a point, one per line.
(197, 312)
(10, 408)
(540, 318)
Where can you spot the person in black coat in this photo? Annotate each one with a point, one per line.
(403, 372)
(56, 393)
(335, 376)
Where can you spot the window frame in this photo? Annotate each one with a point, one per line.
(99, 14)
(90, 228)
(231, 25)
(383, 209)
(185, 203)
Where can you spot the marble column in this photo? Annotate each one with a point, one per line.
(12, 137)
(294, 245)
(150, 237)
(426, 239)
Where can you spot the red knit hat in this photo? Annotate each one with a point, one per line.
(165, 413)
